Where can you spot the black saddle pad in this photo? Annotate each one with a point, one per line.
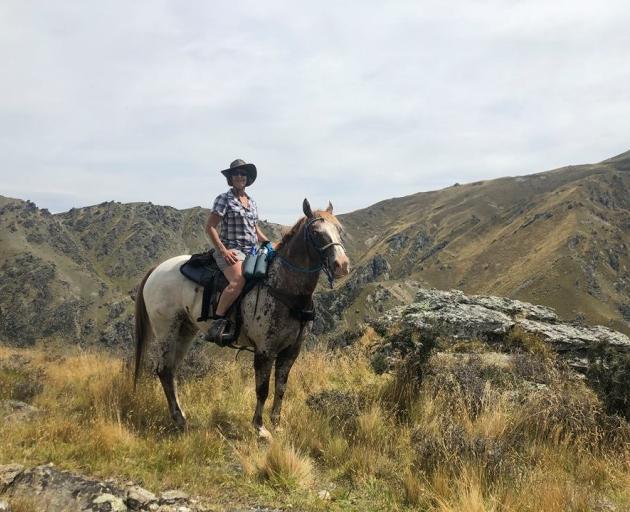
(201, 268)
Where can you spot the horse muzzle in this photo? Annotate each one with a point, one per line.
(341, 267)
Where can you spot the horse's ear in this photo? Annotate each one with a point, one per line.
(306, 207)
(329, 209)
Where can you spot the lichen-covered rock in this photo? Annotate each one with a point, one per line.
(14, 410)
(60, 490)
(8, 473)
(516, 308)
(173, 497)
(454, 315)
(568, 337)
(456, 320)
(108, 503)
(63, 490)
(139, 498)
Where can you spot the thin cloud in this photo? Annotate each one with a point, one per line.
(148, 101)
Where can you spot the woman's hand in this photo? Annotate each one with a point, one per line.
(229, 256)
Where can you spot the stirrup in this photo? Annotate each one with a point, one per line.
(216, 332)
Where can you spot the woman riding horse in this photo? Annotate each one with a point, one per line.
(274, 319)
(236, 212)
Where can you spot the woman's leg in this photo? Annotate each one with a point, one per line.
(236, 281)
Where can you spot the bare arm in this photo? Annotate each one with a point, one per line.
(211, 229)
(262, 237)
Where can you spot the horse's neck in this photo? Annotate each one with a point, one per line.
(292, 281)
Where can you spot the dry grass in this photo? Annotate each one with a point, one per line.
(279, 464)
(27, 504)
(458, 432)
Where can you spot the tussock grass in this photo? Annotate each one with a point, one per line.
(519, 339)
(448, 431)
(280, 464)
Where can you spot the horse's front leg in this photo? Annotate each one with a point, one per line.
(284, 362)
(262, 365)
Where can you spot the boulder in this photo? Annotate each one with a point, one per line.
(67, 491)
(8, 473)
(14, 410)
(454, 315)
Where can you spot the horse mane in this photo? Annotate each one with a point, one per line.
(298, 225)
(291, 233)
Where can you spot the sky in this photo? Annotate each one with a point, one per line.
(352, 102)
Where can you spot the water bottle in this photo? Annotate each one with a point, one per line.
(261, 263)
(249, 265)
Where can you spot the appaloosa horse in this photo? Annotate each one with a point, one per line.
(273, 317)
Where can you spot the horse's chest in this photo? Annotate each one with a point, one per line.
(268, 321)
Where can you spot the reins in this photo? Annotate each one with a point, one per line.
(300, 307)
(291, 266)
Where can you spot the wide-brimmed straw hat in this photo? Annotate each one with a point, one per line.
(239, 164)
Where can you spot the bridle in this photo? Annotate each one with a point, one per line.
(320, 251)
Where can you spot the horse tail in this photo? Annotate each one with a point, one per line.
(143, 327)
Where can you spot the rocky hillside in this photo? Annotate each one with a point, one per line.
(455, 316)
(48, 286)
(559, 238)
(71, 276)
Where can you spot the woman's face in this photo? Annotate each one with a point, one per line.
(239, 180)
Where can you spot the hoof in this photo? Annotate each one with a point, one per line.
(263, 434)
(180, 422)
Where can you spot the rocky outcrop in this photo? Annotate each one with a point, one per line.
(15, 410)
(457, 316)
(52, 489)
(62, 490)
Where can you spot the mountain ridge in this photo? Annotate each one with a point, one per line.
(523, 237)
(559, 238)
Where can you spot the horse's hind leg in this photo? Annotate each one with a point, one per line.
(170, 390)
(174, 347)
(262, 365)
(284, 362)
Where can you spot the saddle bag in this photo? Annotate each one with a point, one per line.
(249, 264)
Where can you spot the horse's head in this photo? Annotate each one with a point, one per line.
(322, 232)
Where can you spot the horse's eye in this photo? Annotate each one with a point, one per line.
(319, 236)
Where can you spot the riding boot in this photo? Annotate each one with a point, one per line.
(216, 330)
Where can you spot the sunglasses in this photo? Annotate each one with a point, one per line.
(239, 173)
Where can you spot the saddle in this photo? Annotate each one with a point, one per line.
(203, 270)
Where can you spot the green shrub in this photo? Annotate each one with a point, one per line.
(19, 379)
(609, 375)
(404, 388)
